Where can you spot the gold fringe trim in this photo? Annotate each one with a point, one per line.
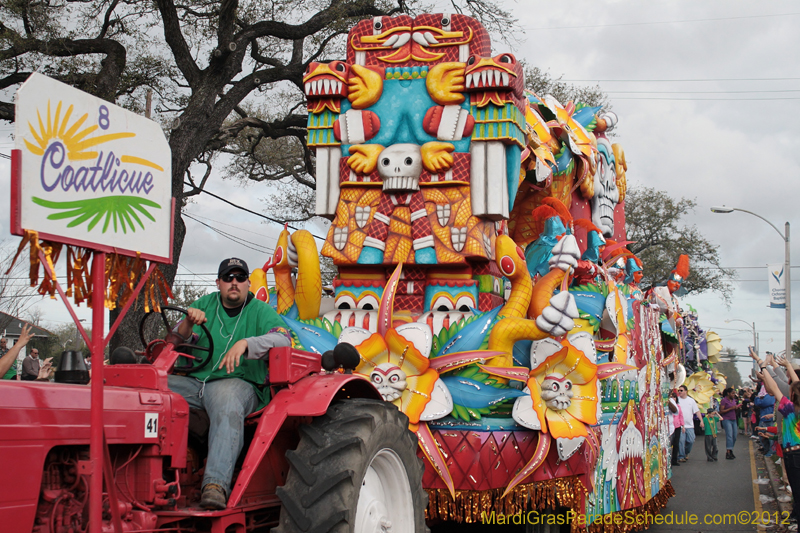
(122, 273)
(561, 492)
(469, 504)
(627, 522)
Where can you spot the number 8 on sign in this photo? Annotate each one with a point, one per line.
(150, 425)
(103, 120)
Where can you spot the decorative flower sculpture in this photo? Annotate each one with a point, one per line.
(700, 387)
(402, 372)
(396, 361)
(722, 381)
(563, 395)
(714, 343)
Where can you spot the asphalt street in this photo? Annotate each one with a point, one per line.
(715, 491)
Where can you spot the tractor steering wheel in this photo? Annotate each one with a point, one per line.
(153, 348)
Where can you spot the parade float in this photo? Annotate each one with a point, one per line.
(483, 278)
(478, 230)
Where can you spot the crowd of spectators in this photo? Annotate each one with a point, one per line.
(769, 413)
(775, 419)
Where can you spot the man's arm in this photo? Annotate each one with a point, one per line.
(770, 385)
(193, 317)
(696, 409)
(672, 407)
(8, 359)
(780, 380)
(255, 347)
(787, 363)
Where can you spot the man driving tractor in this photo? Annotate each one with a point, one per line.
(243, 330)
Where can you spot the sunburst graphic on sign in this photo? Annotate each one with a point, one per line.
(75, 136)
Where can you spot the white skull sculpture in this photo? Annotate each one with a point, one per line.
(390, 381)
(606, 193)
(400, 166)
(557, 392)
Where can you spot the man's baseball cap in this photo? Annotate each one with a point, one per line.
(232, 264)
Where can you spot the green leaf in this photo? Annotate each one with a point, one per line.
(121, 210)
(461, 412)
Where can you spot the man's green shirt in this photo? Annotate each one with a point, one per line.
(257, 318)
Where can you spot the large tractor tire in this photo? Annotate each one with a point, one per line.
(355, 470)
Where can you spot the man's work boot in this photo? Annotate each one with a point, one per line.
(213, 497)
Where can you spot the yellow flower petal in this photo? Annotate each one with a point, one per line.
(584, 403)
(403, 350)
(373, 352)
(561, 424)
(418, 394)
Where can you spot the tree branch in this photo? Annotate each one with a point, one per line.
(288, 125)
(227, 21)
(7, 111)
(107, 19)
(177, 43)
(321, 19)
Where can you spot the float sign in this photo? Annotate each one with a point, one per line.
(92, 174)
(777, 285)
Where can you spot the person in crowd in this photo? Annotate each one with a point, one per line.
(11, 373)
(727, 410)
(790, 434)
(31, 366)
(746, 411)
(675, 422)
(8, 359)
(690, 409)
(243, 330)
(712, 451)
(765, 402)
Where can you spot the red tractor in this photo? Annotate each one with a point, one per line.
(326, 454)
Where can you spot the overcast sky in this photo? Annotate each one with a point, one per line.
(727, 139)
(707, 94)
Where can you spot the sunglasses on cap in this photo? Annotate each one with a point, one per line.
(227, 278)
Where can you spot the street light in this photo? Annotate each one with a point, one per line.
(752, 326)
(787, 268)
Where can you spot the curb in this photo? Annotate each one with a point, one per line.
(777, 487)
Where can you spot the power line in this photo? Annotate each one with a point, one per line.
(678, 80)
(659, 22)
(734, 268)
(754, 280)
(707, 99)
(235, 227)
(705, 92)
(238, 240)
(247, 210)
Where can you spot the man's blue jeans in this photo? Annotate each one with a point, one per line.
(227, 402)
(687, 441)
(730, 433)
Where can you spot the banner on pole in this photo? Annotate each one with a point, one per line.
(92, 174)
(777, 285)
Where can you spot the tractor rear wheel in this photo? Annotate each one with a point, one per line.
(355, 470)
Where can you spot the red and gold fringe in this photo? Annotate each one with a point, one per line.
(469, 504)
(625, 522)
(569, 492)
(122, 274)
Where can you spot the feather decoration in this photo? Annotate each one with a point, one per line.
(682, 268)
(560, 208)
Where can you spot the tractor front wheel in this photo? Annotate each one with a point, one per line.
(355, 470)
